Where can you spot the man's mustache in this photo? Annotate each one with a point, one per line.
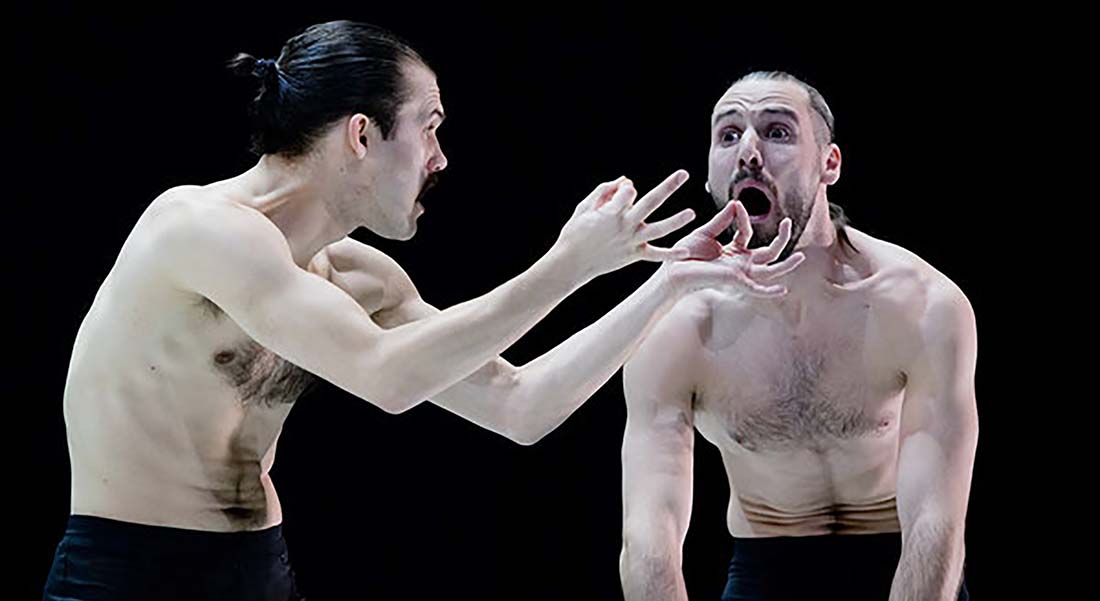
(755, 174)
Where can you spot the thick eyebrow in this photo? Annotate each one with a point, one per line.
(728, 113)
(793, 116)
(784, 112)
(436, 112)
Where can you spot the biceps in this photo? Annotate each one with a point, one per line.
(657, 479)
(314, 325)
(935, 465)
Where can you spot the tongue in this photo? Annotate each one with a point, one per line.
(755, 201)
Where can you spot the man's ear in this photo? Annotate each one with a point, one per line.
(830, 169)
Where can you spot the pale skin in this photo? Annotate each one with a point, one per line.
(845, 407)
(226, 297)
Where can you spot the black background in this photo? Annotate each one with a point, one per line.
(543, 104)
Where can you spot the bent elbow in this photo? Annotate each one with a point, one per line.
(527, 436)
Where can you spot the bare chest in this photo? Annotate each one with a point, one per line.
(770, 385)
(256, 376)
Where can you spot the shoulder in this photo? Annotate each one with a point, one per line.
(197, 238)
(930, 306)
(196, 214)
(668, 363)
(686, 325)
(903, 278)
(370, 276)
(347, 255)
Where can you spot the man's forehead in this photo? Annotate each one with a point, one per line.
(756, 95)
(424, 94)
(431, 101)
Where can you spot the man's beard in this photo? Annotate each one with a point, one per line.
(794, 204)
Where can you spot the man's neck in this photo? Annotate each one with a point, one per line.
(810, 280)
(294, 196)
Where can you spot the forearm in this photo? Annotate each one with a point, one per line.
(550, 388)
(423, 357)
(930, 567)
(649, 576)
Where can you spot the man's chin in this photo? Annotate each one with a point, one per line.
(410, 229)
(405, 235)
(396, 232)
(762, 235)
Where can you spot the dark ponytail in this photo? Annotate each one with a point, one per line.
(328, 72)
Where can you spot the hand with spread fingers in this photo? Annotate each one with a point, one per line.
(711, 264)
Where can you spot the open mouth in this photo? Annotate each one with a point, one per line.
(429, 183)
(756, 202)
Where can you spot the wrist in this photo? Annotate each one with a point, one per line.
(564, 264)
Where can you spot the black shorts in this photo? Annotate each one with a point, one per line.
(854, 567)
(100, 558)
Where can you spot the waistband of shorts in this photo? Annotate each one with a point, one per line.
(128, 537)
(818, 547)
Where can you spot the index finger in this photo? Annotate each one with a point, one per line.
(719, 223)
(601, 194)
(656, 197)
(744, 228)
